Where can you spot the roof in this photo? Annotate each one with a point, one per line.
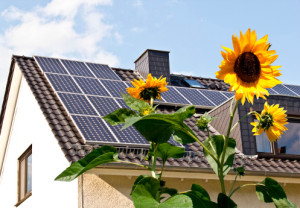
(75, 147)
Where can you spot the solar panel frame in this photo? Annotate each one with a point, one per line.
(93, 128)
(227, 94)
(106, 71)
(77, 104)
(104, 105)
(129, 135)
(50, 65)
(91, 86)
(63, 83)
(294, 88)
(214, 96)
(113, 87)
(173, 96)
(282, 90)
(77, 68)
(194, 96)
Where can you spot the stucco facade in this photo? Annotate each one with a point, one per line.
(29, 127)
(110, 191)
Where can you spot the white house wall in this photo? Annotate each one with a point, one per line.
(30, 127)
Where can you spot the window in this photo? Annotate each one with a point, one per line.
(288, 144)
(194, 83)
(24, 175)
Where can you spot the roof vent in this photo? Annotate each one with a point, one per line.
(193, 83)
(155, 62)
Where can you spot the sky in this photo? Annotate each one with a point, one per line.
(116, 32)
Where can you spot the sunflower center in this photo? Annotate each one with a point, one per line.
(147, 93)
(247, 67)
(266, 121)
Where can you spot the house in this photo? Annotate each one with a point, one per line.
(51, 117)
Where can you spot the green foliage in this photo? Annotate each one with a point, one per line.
(203, 121)
(225, 202)
(239, 171)
(104, 154)
(147, 193)
(215, 144)
(158, 128)
(167, 150)
(271, 191)
(135, 104)
(118, 116)
(200, 197)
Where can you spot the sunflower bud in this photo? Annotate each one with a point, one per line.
(203, 121)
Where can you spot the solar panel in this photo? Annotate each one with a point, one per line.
(104, 105)
(115, 87)
(77, 68)
(272, 92)
(283, 90)
(91, 86)
(195, 97)
(294, 88)
(215, 96)
(94, 129)
(228, 94)
(77, 104)
(50, 65)
(172, 96)
(103, 71)
(63, 83)
(129, 135)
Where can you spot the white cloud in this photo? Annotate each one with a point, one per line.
(138, 3)
(186, 73)
(69, 29)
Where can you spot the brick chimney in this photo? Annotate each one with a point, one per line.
(155, 62)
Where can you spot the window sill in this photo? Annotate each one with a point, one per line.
(278, 156)
(25, 197)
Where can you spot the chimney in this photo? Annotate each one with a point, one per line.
(155, 62)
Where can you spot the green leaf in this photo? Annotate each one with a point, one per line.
(145, 192)
(215, 145)
(200, 197)
(137, 180)
(167, 150)
(184, 137)
(118, 116)
(262, 194)
(135, 104)
(158, 128)
(178, 201)
(270, 190)
(169, 191)
(225, 202)
(104, 154)
(200, 189)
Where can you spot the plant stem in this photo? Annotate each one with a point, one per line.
(154, 157)
(197, 140)
(151, 102)
(162, 170)
(207, 132)
(233, 183)
(221, 172)
(250, 184)
(252, 112)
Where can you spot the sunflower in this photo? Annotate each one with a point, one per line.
(271, 120)
(248, 68)
(149, 89)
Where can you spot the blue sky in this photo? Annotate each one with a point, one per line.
(116, 32)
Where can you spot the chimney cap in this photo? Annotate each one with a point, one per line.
(150, 50)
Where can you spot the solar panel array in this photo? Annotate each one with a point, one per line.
(89, 91)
